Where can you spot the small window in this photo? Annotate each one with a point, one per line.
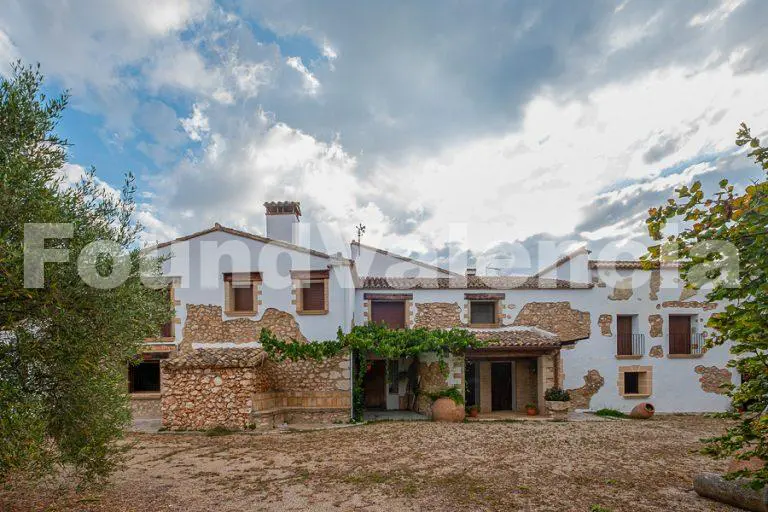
(635, 381)
(313, 296)
(311, 291)
(241, 291)
(632, 383)
(482, 312)
(144, 377)
(243, 297)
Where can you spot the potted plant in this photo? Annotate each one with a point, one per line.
(473, 411)
(557, 403)
(448, 405)
(531, 409)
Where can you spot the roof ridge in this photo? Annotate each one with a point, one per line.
(562, 260)
(405, 258)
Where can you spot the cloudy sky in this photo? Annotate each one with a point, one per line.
(442, 126)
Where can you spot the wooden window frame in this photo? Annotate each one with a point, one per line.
(645, 381)
(230, 278)
(494, 303)
(302, 278)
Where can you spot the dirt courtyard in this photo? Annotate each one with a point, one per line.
(619, 465)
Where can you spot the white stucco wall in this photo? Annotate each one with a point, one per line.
(199, 265)
(676, 386)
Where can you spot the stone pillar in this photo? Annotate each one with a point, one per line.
(485, 386)
(546, 377)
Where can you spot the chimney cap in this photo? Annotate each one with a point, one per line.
(283, 208)
(471, 271)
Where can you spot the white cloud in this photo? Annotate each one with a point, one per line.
(196, 125)
(719, 13)
(311, 84)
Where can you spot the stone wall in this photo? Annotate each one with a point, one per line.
(329, 375)
(203, 398)
(713, 378)
(145, 405)
(204, 324)
(656, 351)
(623, 290)
(656, 326)
(581, 397)
(556, 317)
(654, 285)
(706, 306)
(525, 383)
(438, 315)
(605, 321)
(432, 378)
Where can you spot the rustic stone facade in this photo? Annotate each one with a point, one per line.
(656, 326)
(623, 290)
(432, 378)
(605, 322)
(241, 393)
(241, 387)
(204, 324)
(706, 306)
(581, 397)
(656, 351)
(713, 378)
(145, 405)
(438, 315)
(655, 284)
(557, 318)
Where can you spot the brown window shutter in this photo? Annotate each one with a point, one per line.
(243, 297)
(390, 313)
(313, 296)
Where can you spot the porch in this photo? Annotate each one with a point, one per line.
(502, 381)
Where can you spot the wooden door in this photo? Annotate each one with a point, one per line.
(392, 313)
(679, 334)
(375, 385)
(501, 386)
(624, 335)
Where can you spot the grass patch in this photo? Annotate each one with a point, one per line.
(610, 413)
(599, 508)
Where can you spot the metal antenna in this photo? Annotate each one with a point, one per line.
(360, 231)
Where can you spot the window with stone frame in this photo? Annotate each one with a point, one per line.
(241, 293)
(484, 309)
(635, 381)
(311, 291)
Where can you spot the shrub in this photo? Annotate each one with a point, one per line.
(453, 393)
(610, 413)
(556, 395)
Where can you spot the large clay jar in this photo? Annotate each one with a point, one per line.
(445, 409)
(557, 409)
(642, 411)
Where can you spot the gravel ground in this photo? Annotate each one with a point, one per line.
(620, 465)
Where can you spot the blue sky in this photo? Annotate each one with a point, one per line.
(501, 127)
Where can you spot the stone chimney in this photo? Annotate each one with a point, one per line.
(471, 271)
(282, 220)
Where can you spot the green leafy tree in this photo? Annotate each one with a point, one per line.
(64, 345)
(724, 240)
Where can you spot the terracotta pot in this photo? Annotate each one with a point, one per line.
(531, 411)
(558, 410)
(642, 411)
(445, 409)
(473, 412)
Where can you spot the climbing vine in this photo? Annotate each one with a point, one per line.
(372, 340)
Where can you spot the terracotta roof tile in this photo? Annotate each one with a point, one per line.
(629, 264)
(530, 337)
(217, 358)
(468, 283)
